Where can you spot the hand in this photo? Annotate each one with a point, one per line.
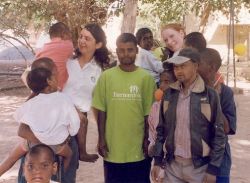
(145, 147)
(155, 171)
(209, 178)
(151, 150)
(165, 55)
(103, 149)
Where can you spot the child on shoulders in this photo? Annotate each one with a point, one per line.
(59, 50)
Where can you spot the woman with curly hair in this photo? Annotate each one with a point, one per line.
(91, 58)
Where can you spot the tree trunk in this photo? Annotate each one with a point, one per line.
(205, 17)
(129, 16)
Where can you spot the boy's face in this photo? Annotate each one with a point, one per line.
(39, 168)
(185, 72)
(147, 41)
(165, 80)
(126, 53)
(206, 72)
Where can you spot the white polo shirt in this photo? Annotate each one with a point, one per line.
(81, 82)
(51, 117)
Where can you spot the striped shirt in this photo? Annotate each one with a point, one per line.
(182, 130)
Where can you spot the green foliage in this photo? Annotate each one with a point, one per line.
(174, 10)
(19, 15)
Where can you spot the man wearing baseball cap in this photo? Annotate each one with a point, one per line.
(190, 126)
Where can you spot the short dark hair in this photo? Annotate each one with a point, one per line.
(211, 57)
(126, 37)
(141, 32)
(195, 40)
(37, 149)
(58, 30)
(43, 62)
(37, 79)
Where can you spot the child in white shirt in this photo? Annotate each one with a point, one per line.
(51, 116)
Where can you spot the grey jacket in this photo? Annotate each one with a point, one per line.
(206, 127)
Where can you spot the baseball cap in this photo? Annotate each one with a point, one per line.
(185, 55)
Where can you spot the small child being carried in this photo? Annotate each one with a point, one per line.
(51, 116)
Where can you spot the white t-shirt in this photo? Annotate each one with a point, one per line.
(81, 82)
(51, 117)
(146, 60)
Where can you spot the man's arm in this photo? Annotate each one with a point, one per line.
(25, 132)
(218, 141)
(101, 124)
(158, 148)
(145, 139)
(226, 124)
(228, 109)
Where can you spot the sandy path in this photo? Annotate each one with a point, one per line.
(93, 173)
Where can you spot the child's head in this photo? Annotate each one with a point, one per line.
(209, 65)
(166, 77)
(144, 38)
(41, 79)
(43, 62)
(195, 40)
(39, 164)
(60, 30)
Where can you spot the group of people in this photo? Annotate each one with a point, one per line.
(183, 132)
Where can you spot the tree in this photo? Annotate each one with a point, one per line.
(20, 15)
(129, 16)
(172, 11)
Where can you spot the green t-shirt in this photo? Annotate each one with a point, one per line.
(126, 97)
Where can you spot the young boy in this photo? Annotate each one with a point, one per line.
(190, 126)
(59, 49)
(145, 57)
(39, 165)
(209, 66)
(166, 78)
(122, 98)
(197, 41)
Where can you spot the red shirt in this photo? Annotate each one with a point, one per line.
(59, 51)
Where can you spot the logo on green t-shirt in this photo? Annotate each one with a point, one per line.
(132, 94)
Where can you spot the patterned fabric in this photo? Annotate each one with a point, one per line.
(153, 120)
(182, 130)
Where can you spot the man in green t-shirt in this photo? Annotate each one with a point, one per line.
(123, 97)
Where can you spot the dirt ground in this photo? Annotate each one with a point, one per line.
(87, 172)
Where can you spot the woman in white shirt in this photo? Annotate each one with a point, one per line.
(92, 57)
